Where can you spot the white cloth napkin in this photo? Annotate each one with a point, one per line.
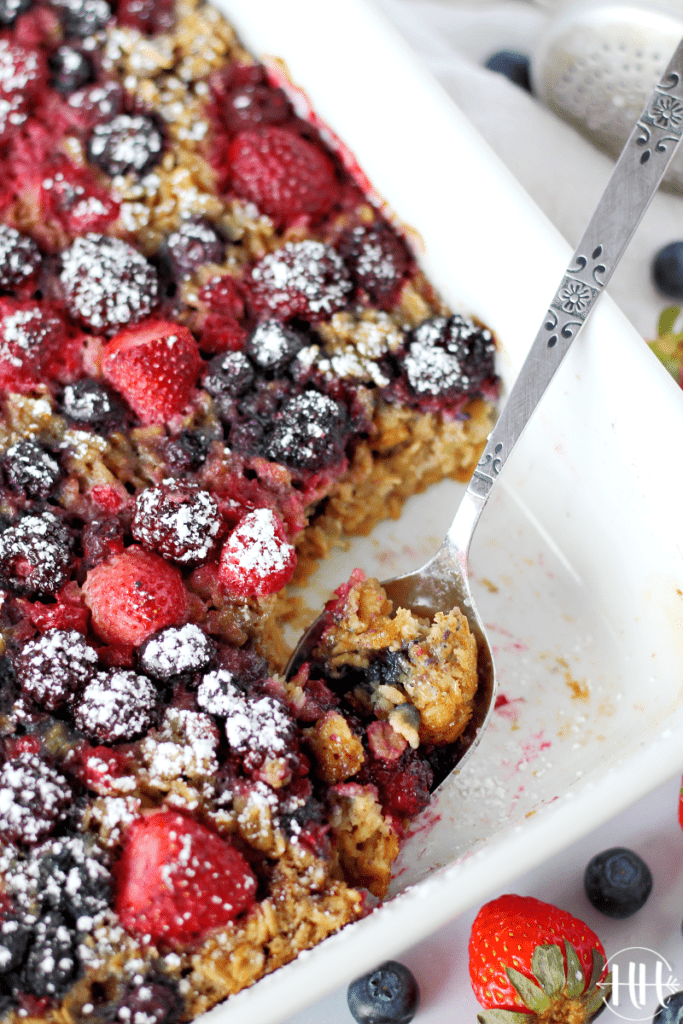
(563, 172)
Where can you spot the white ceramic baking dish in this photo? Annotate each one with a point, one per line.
(578, 561)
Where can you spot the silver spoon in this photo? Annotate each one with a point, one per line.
(442, 583)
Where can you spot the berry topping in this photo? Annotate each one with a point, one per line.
(51, 964)
(30, 338)
(70, 69)
(150, 1002)
(20, 259)
(115, 706)
(218, 693)
(309, 432)
(449, 356)
(387, 995)
(617, 882)
(29, 468)
(154, 366)
(133, 595)
(55, 667)
(556, 964)
(378, 261)
(92, 404)
(101, 539)
(285, 175)
(11, 9)
(306, 279)
(107, 283)
(228, 377)
(176, 650)
(272, 346)
(255, 724)
(33, 797)
(130, 143)
(22, 73)
(96, 103)
(194, 243)
(257, 560)
(187, 452)
(74, 881)
(245, 100)
(515, 66)
(14, 937)
(177, 880)
(177, 521)
(150, 16)
(83, 17)
(35, 555)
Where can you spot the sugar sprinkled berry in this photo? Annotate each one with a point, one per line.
(31, 469)
(308, 431)
(53, 668)
(128, 144)
(33, 797)
(306, 279)
(115, 706)
(177, 521)
(176, 650)
(20, 258)
(257, 559)
(36, 555)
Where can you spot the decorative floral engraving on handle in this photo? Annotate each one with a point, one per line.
(574, 299)
(662, 122)
(486, 472)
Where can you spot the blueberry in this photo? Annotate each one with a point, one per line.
(617, 882)
(272, 346)
(667, 270)
(92, 404)
(194, 242)
(388, 995)
(670, 1011)
(70, 69)
(129, 143)
(513, 65)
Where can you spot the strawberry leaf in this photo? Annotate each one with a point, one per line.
(599, 963)
(576, 979)
(667, 319)
(503, 1017)
(530, 994)
(548, 968)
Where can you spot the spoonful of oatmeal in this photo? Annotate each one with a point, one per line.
(412, 652)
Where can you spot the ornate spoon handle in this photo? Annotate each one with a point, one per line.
(633, 183)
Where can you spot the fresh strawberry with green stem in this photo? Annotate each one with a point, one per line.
(668, 345)
(532, 961)
(177, 879)
(154, 365)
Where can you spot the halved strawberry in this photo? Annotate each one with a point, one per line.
(133, 595)
(177, 880)
(154, 365)
(531, 961)
(257, 559)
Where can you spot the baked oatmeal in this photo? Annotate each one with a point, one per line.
(217, 359)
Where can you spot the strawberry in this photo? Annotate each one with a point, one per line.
(257, 560)
(133, 595)
(283, 173)
(154, 365)
(532, 961)
(177, 880)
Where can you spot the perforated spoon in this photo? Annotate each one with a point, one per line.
(442, 584)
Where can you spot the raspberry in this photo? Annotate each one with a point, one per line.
(31, 470)
(309, 432)
(154, 366)
(243, 99)
(30, 338)
(129, 143)
(53, 669)
(36, 555)
(272, 346)
(133, 595)
(90, 403)
(177, 880)
(179, 522)
(286, 176)
(116, 706)
(70, 69)
(221, 334)
(107, 283)
(175, 651)
(95, 103)
(194, 243)
(84, 17)
(306, 279)
(23, 72)
(449, 356)
(378, 261)
(149, 16)
(223, 295)
(33, 798)
(71, 196)
(257, 560)
(20, 259)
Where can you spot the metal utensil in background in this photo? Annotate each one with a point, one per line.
(598, 61)
(443, 583)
